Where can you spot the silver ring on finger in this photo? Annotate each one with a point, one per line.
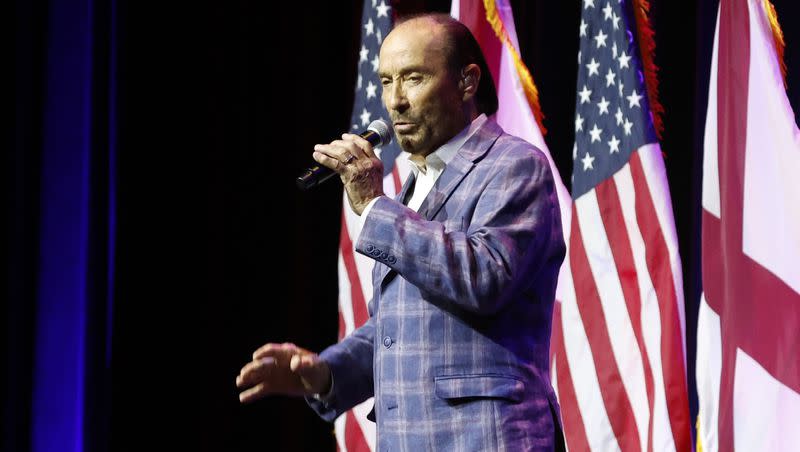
(349, 159)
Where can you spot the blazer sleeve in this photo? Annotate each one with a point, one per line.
(513, 231)
(350, 362)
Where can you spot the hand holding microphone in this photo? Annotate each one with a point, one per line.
(377, 134)
(353, 158)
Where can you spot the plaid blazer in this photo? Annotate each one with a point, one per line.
(456, 349)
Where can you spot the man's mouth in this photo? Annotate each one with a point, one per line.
(403, 127)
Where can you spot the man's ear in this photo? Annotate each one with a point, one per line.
(470, 77)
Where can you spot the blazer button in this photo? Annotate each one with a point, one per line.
(387, 341)
(384, 255)
(370, 248)
(391, 259)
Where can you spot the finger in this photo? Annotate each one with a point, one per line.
(355, 144)
(278, 351)
(310, 369)
(341, 150)
(259, 363)
(255, 372)
(346, 147)
(298, 365)
(294, 363)
(266, 350)
(338, 149)
(252, 394)
(325, 157)
(302, 364)
(363, 145)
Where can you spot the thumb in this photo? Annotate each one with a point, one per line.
(308, 369)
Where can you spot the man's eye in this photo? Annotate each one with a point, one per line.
(385, 82)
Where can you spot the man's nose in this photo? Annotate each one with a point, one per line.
(396, 98)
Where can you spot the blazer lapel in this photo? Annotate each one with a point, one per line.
(461, 164)
(444, 186)
(406, 187)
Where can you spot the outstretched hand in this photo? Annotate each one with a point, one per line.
(284, 369)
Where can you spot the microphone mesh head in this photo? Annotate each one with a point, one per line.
(380, 127)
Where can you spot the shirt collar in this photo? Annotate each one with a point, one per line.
(438, 159)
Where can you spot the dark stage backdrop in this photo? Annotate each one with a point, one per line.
(155, 237)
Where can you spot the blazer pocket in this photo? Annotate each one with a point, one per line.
(483, 385)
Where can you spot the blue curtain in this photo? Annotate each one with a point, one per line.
(62, 203)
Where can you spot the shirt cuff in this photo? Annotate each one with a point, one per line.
(325, 398)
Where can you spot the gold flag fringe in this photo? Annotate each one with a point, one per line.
(777, 36)
(531, 92)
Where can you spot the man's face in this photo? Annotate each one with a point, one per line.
(420, 93)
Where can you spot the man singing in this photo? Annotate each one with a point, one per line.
(456, 348)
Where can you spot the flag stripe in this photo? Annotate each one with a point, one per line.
(354, 437)
(612, 217)
(658, 260)
(584, 372)
(592, 388)
(616, 401)
(345, 304)
(650, 313)
(570, 413)
(398, 185)
(654, 180)
(620, 330)
(360, 314)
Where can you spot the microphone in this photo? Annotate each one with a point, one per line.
(378, 134)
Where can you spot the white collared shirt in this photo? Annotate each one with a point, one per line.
(435, 164)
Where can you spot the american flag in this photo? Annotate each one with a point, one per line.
(353, 431)
(617, 352)
(748, 333)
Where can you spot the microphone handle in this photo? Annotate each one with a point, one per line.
(314, 176)
(318, 174)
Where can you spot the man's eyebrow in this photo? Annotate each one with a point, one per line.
(404, 71)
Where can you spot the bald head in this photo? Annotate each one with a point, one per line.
(424, 30)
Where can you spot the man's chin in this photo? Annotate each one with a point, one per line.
(407, 144)
(412, 144)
